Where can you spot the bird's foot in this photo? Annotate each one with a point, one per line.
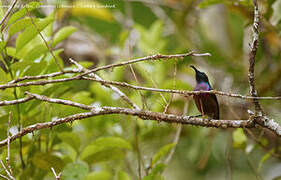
(205, 117)
(195, 116)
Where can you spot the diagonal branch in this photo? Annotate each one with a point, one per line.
(113, 88)
(8, 12)
(17, 101)
(153, 57)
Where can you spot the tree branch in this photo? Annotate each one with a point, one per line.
(252, 58)
(17, 101)
(8, 12)
(113, 88)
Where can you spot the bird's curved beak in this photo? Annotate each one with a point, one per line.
(193, 67)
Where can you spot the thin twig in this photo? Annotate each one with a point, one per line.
(46, 43)
(182, 92)
(153, 57)
(113, 88)
(17, 101)
(252, 58)
(45, 76)
(8, 12)
(177, 137)
(172, 95)
(8, 156)
(57, 176)
(4, 177)
(6, 170)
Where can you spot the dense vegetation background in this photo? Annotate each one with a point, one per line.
(121, 147)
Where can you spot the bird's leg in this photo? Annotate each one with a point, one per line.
(195, 116)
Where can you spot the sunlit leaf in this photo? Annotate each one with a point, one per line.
(3, 76)
(62, 34)
(31, 32)
(1, 10)
(36, 52)
(92, 9)
(151, 40)
(207, 3)
(19, 26)
(23, 11)
(239, 138)
(99, 175)
(123, 176)
(35, 68)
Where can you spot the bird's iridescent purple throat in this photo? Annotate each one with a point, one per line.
(206, 103)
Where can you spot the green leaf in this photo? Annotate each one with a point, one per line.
(35, 68)
(19, 25)
(265, 158)
(153, 177)
(3, 76)
(276, 15)
(239, 138)
(151, 40)
(83, 97)
(100, 175)
(1, 10)
(123, 176)
(31, 32)
(2, 45)
(112, 142)
(62, 34)
(29, 7)
(11, 51)
(46, 161)
(161, 153)
(75, 171)
(207, 3)
(36, 52)
(105, 148)
(71, 139)
(21, 65)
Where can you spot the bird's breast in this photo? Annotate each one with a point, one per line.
(202, 87)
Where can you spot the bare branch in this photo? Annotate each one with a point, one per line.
(113, 88)
(8, 156)
(252, 58)
(17, 101)
(4, 177)
(45, 76)
(57, 176)
(182, 92)
(6, 170)
(146, 115)
(153, 57)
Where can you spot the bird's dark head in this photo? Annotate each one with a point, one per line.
(200, 76)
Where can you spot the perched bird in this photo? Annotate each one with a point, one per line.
(206, 103)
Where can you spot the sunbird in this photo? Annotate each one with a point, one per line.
(206, 103)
